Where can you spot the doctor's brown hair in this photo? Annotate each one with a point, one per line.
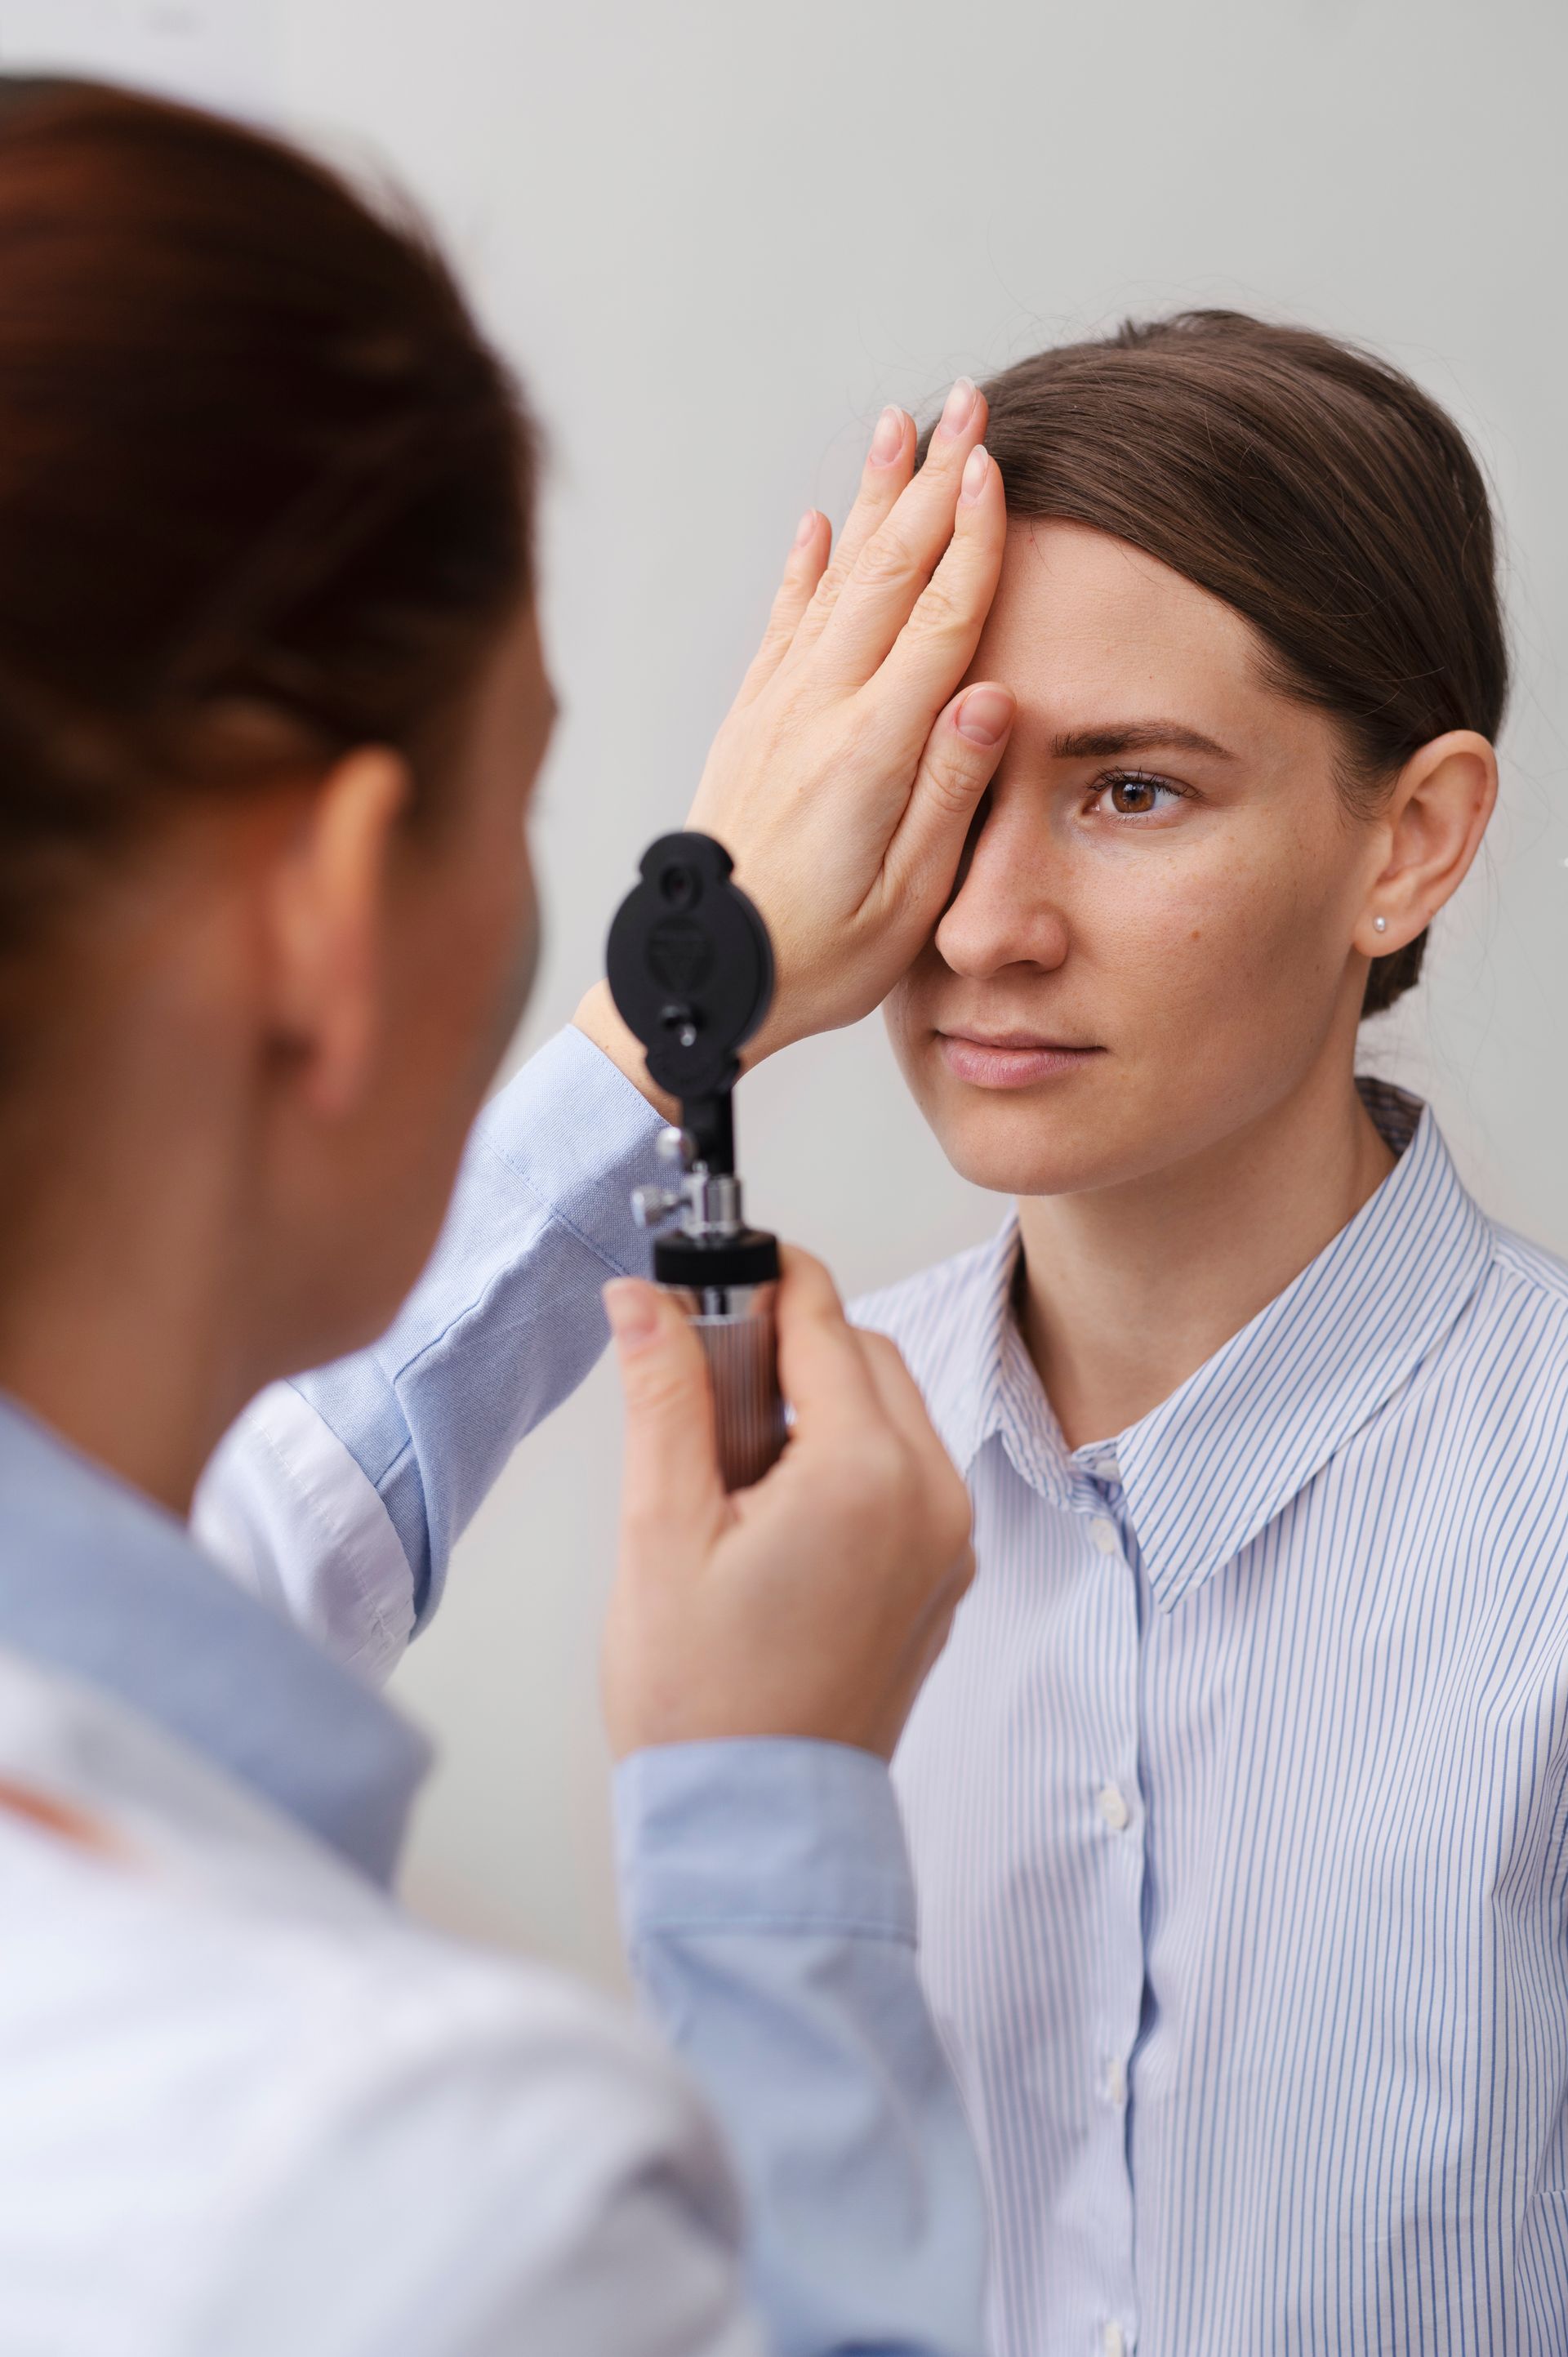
(264, 489)
(1312, 488)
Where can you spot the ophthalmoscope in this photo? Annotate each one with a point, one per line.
(691, 971)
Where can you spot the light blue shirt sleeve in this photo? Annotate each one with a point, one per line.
(770, 1921)
(767, 1900)
(506, 1320)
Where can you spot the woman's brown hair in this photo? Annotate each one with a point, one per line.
(1311, 487)
(264, 489)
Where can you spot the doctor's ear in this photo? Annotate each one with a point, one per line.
(1431, 831)
(326, 920)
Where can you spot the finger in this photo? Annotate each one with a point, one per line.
(889, 463)
(938, 1627)
(906, 1410)
(899, 559)
(897, 1389)
(961, 755)
(936, 645)
(671, 1477)
(822, 1370)
(802, 571)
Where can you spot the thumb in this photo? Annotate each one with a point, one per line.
(821, 1364)
(672, 1473)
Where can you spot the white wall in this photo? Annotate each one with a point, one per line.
(220, 52)
(718, 237)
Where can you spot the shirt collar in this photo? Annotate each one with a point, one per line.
(1218, 1460)
(100, 1583)
(1212, 1465)
(970, 1390)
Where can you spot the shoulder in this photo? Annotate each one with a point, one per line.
(922, 1312)
(1532, 1272)
(317, 2100)
(1517, 1322)
(1492, 1394)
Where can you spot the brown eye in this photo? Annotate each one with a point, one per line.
(1132, 795)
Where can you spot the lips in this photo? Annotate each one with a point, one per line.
(1010, 1059)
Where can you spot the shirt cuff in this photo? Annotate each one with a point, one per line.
(762, 1832)
(577, 1166)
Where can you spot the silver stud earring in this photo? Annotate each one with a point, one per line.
(1380, 924)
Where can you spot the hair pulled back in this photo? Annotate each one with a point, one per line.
(1311, 486)
(264, 491)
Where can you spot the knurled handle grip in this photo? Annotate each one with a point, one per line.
(749, 1413)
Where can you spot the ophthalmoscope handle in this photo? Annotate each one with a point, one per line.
(734, 1324)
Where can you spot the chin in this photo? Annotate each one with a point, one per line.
(1018, 1148)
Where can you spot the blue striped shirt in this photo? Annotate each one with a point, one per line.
(1238, 1806)
(1238, 1800)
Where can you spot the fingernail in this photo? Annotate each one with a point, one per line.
(985, 715)
(806, 527)
(958, 407)
(631, 1309)
(889, 438)
(976, 467)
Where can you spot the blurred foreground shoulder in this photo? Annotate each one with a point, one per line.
(252, 2107)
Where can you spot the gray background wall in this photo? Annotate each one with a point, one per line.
(718, 237)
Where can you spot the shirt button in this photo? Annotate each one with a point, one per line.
(1113, 1808)
(1109, 1466)
(1115, 2084)
(1103, 1534)
(1112, 2340)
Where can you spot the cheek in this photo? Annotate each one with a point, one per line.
(496, 937)
(468, 954)
(1214, 938)
(908, 1013)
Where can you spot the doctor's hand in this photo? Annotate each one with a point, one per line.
(810, 1605)
(843, 781)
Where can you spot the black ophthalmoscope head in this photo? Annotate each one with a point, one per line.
(691, 971)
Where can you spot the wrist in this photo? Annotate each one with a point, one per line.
(598, 1020)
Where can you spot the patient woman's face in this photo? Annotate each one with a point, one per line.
(1150, 947)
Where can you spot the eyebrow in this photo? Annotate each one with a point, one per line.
(1135, 737)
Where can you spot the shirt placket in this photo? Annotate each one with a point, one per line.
(1117, 1782)
(1089, 1485)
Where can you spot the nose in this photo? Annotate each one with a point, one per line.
(1006, 911)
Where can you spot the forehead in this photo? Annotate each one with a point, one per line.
(1081, 620)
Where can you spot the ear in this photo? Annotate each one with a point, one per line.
(1432, 830)
(326, 918)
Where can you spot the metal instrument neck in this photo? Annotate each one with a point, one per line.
(713, 1202)
(709, 1122)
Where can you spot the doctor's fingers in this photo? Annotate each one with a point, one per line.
(913, 524)
(811, 583)
(803, 570)
(944, 1508)
(902, 562)
(960, 757)
(822, 1368)
(884, 479)
(671, 1495)
(896, 1388)
(927, 656)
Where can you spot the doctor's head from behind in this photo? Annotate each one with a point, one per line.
(271, 704)
(1249, 608)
